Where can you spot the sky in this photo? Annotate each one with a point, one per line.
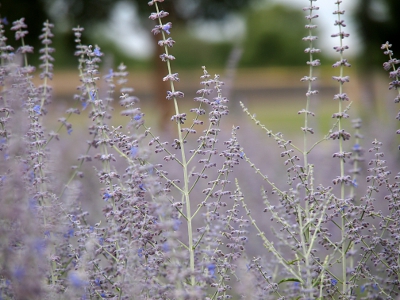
(124, 28)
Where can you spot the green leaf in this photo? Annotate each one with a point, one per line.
(292, 261)
(288, 279)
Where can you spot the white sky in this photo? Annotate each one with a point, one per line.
(126, 31)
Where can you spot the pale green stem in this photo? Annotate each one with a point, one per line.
(184, 169)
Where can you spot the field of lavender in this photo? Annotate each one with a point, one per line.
(97, 204)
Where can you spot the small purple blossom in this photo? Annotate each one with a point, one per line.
(137, 117)
(70, 233)
(141, 186)
(354, 183)
(110, 74)
(165, 247)
(167, 27)
(96, 51)
(97, 281)
(334, 282)
(93, 95)
(36, 109)
(75, 280)
(211, 269)
(177, 224)
(134, 151)
(69, 131)
(106, 196)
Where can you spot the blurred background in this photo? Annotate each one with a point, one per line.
(256, 46)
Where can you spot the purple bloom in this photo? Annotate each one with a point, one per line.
(137, 117)
(75, 280)
(110, 74)
(70, 233)
(36, 109)
(84, 104)
(69, 131)
(19, 272)
(4, 21)
(97, 281)
(93, 95)
(96, 51)
(167, 27)
(211, 269)
(141, 186)
(177, 224)
(333, 282)
(40, 246)
(165, 247)
(106, 196)
(133, 151)
(140, 252)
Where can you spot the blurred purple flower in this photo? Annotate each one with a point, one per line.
(133, 152)
(36, 109)
(96, 51)
(211, 269)
(75, 280)
(167, 27)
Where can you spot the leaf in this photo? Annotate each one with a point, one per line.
(292, 262)
(289, 279)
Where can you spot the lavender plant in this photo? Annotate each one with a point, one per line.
(176, 219)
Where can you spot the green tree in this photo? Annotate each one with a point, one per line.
(274, 37)
(377, 22)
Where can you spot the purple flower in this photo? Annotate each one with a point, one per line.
(69, 131)
(133, 152)
(96, 51)
(110, 74)
(167, 27)
(140, 252)
(4, 21)
(36, 109)
(333, 282)
(137, 117)
(93, 95)
(70, 233)
(177, 224)
(19, 272)
(75, 280)
(141, 186)
(97, 281)
(211, 269)
(106, 196)
(165, 247)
